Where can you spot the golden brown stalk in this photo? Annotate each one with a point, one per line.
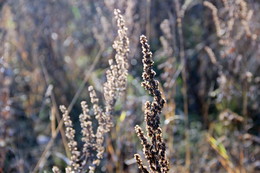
(216, 20)
(211, 55)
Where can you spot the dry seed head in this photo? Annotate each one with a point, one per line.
(117, 74)
(115, 85)
(154, 150)
(72, 144)
(140, 164)
(55, 169)
(88, 135)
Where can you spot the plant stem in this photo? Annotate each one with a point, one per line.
(183, 60)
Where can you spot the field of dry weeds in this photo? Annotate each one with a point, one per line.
(129, 86)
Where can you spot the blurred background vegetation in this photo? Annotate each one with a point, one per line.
(53, 50)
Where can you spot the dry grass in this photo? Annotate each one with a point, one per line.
(203, 115)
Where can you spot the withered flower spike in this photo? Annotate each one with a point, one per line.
(140, 164)
(154, 150)
(72, 144)
(93, 149)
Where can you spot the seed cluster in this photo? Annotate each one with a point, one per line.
(70, 134)
(154, 150)
(117, 74)
(93, 149)
(238, 15)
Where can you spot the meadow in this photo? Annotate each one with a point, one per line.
(129, 86)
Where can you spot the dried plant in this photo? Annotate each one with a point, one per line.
(168, 47)
(211, 55)
(235, 30)
(237, 23)
(207, 60)
(93, 150)
(117, 74)
(70, 134)
(228, 117)
(235, 67)
(154, 149)
(216, 20)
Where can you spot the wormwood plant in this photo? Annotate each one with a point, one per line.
(153, 145)
(92, 153)
(235, 32)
